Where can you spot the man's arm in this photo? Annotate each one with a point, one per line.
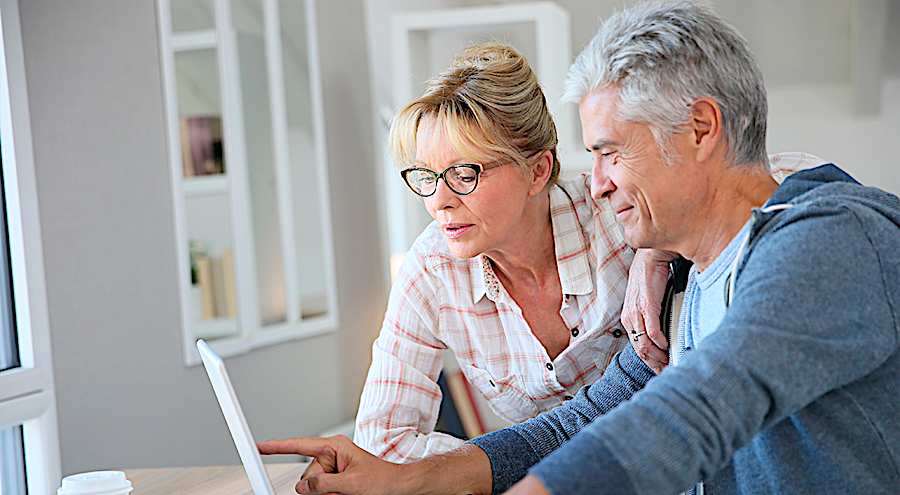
(489, 464)
(810, 315)
(514, 449)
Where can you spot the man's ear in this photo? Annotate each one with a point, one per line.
(540, 172)
(705, 126)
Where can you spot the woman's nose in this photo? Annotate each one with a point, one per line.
(442, 198)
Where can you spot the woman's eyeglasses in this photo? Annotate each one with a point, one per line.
(461, 179)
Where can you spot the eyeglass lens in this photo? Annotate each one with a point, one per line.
(461, 179)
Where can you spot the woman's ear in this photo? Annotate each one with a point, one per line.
(540, 172)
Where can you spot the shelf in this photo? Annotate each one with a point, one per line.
(205, 185)
(215, 329)
(194, 40)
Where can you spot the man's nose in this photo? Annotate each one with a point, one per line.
(601, 185)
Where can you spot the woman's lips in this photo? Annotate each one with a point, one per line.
(457, 231)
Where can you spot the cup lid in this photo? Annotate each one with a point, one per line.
(95, 482)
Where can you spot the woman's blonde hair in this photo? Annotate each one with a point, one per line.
(489, 105)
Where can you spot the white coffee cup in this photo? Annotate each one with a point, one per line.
(95, 483)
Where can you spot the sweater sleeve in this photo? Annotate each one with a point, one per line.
(514, 449)
(811, 313)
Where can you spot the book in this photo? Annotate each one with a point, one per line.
(228, 279)
(201, 145)
(207, 288)
(218, 283)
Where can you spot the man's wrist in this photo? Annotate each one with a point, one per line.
(464, 470)
(411, 477)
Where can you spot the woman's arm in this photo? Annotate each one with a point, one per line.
(401, 399)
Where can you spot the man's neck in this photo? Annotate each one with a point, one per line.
(739, 189)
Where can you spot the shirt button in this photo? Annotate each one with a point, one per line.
(550, 366)
(617, 333)
(575, 332)
(568, 397)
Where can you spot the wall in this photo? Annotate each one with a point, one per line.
(805, 50)
(125, 397)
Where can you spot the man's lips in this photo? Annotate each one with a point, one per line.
(456, 230)
(623, 211)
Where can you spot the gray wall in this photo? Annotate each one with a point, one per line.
(125, 398)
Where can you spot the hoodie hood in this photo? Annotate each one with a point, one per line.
(827, 183)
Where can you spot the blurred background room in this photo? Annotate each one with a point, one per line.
(217, 169)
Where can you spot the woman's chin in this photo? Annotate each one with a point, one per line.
(463, 250)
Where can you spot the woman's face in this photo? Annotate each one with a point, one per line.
(484, 220)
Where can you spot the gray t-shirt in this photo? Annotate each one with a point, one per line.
(705, 297)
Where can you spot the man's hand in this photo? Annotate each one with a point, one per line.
(643, 304)
(530, 485)
(339, 467)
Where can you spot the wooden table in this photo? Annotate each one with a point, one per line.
(211, 480)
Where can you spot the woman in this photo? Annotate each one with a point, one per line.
(521, 275)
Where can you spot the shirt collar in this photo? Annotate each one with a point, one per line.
(476, 274)
(569, 244)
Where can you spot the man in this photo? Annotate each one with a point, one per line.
(789, 370)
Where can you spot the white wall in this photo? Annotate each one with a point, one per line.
(125, 397)
(805, 50)
(806, 53)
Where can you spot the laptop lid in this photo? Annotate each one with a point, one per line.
(234, 417)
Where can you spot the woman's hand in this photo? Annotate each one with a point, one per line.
(643, 304)
(339, 467)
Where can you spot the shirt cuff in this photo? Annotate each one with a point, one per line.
(510, 456)
(584, 465)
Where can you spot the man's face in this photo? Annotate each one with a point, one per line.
(651, 199)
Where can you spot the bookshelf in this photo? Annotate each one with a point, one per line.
(250, 185)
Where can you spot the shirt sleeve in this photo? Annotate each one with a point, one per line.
(401, 399)
(810, 315)
(515, 449)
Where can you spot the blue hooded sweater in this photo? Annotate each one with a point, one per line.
(797, 391)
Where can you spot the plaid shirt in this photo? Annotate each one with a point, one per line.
(439, 302)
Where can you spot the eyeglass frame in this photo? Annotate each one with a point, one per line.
(477, 167)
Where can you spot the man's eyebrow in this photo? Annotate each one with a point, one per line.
(600, 144)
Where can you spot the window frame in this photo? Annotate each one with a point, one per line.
(27, 394)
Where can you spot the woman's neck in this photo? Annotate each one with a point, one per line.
(529, 254)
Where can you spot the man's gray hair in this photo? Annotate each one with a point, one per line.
(663, 56)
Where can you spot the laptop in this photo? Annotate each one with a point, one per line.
(234, 417)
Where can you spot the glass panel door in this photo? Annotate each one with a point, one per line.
(250, 31)
(9, 345)
(305, 169)
(12, 462)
